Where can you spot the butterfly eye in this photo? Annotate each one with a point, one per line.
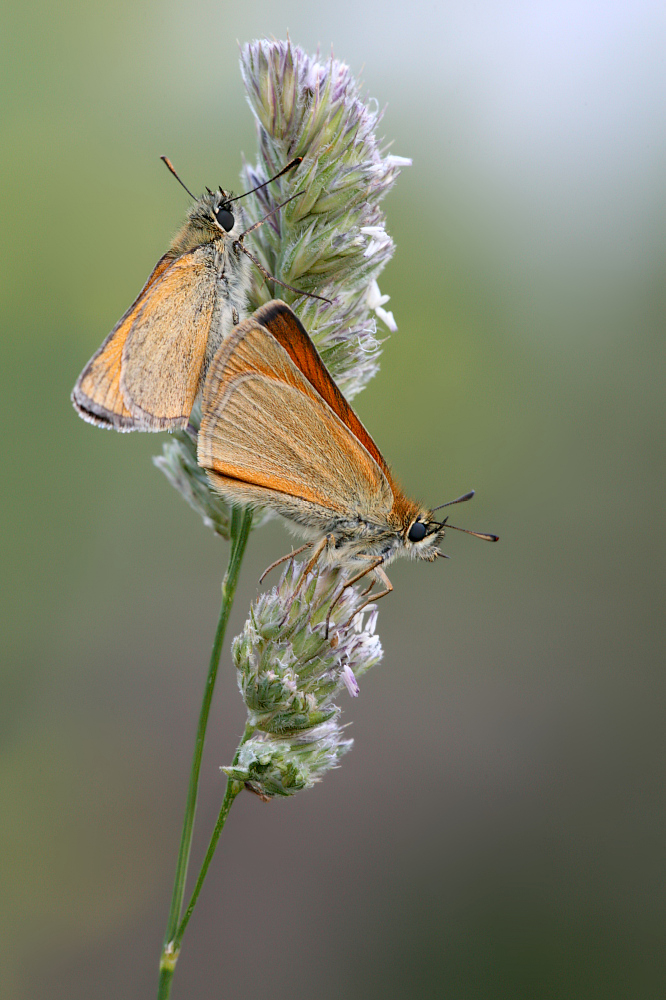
(417, 531)
(225, 218)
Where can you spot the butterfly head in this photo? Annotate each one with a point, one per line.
(422, 535)
(209, 220)
(220, 209)
(422, 532)
(223, 218)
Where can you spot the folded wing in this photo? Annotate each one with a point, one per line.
(290, 333)
(146, 374)
(268, 436)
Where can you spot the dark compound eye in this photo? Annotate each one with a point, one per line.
(225, 218)
(417, 531)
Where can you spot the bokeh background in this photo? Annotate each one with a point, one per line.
(498, 829)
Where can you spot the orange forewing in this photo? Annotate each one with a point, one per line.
(287, 329)
(163, 333)
(164, 354)
(266, 428)
(97, 395)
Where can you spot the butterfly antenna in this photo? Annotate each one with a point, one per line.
(293, 163)
(477, 534)
(169, 165)
(462, 499)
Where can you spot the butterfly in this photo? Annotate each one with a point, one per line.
(150, 369)
(277, 432)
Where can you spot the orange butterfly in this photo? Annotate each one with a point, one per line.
(149, 370)
(276, 431)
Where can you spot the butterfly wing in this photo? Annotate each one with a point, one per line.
(146, 374)
(164, 353)
(268, 436)
(96, 395)
(288, 330)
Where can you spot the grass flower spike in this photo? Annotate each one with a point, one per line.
(290, 674)
(331, 240)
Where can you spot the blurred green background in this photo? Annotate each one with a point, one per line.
(498, 829)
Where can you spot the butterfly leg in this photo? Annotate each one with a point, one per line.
(374, 565)
(323, 544)
(289, 555)
(374, 597)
